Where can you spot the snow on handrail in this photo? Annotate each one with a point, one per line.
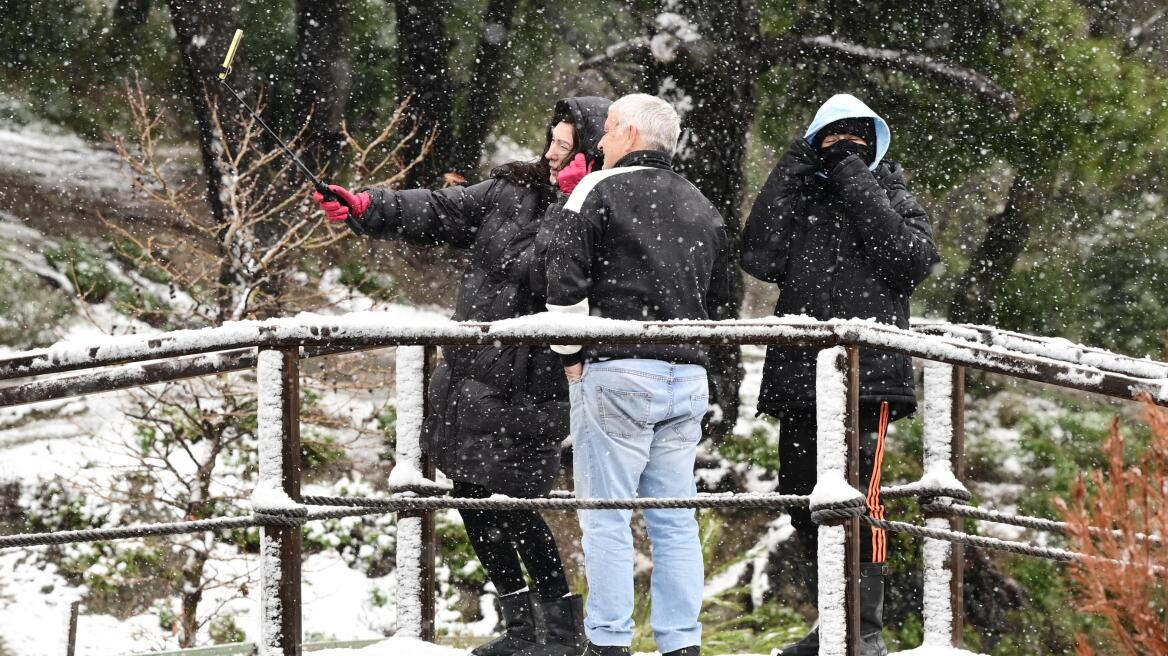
(1056, 348)
(370, 329)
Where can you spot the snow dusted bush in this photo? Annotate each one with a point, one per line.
(367, 544)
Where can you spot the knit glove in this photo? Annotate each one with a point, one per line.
(337, 211)
(571, 175)
(836, 153)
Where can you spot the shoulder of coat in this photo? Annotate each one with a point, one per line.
(590, 181)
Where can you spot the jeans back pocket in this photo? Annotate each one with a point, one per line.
(623, 413)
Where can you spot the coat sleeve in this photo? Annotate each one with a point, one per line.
(766, 240)
(428, 218)
(532, 263)
(896, 235)
(569, 261)
(721, 302)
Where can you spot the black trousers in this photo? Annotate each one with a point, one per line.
(797, 475)
(507, 540)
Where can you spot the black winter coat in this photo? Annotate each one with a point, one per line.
(638, 241)
(497, 415)
(854, 245)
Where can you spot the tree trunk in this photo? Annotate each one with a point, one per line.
(192, 595)
(975, 300)
(203, 31)
(712, 86)
(322, 76)
(423, 69)
(313, 106)
(131, 12)
(483, 100)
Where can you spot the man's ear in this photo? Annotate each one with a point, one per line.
(634, 136)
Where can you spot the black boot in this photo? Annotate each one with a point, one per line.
(872, 609)
(518, 627)
(808, 570)
(564, 619)
(871, 618)
(684, 651)
(598, 650)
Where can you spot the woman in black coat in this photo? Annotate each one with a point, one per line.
(499, 414)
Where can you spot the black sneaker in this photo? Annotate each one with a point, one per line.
(606, 650)
(684, 651)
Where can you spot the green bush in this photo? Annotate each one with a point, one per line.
(86, 267)
(30, 308)
(224, 630)
(356, 275)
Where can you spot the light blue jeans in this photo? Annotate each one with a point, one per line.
(636, 425)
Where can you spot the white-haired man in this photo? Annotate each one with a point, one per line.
(638, 241)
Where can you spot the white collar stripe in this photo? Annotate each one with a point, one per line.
(580, 193)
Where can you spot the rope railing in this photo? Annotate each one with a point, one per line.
(1036, 523)
(292, 516)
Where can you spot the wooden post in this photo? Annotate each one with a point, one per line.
(957, 555)
(71, 628)
(278, 378)
(852, 526)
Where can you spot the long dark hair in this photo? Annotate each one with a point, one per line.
(536, 174)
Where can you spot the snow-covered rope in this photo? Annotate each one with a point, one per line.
(997, 517)
(836, 511)
(396, 504)
(1008, 546)
(983, 542)
(125, 532)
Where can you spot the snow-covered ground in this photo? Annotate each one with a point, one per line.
(58, 162)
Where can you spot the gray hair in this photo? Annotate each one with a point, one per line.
(656, 120)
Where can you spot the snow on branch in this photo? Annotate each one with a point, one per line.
(666, 46)
(633, 51)
(906, 61)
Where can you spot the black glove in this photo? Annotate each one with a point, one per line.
(839, 151)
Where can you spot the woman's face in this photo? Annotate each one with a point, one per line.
(560, 149)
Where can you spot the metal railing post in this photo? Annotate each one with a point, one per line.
(957, 555)
(852, 526)
(415, 530)
(944, 457)
(429, 553)
(278, 415)
(837, 415)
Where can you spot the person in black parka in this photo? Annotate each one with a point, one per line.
(836, 230)
(498, 415)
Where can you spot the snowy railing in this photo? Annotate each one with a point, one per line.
(274, 349)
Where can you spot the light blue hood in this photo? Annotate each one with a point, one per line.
(845, 105)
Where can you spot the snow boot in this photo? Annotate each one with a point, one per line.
(564, 621)
(604, 650)
(518, 627)
(872, 609)
(871, 618)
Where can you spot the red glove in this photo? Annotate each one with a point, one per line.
(337, 211)
(571, 175)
